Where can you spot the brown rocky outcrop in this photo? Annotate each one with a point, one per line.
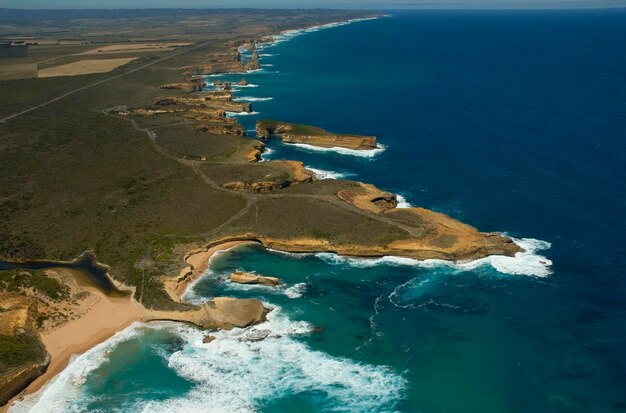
(436, 241)
(369, 198)
(220, 312)
(309, 135)
(250, 278)
(289, 173)
(18, 334)
(215, 100)
(254, 153)
(253, 65)
(242, 82)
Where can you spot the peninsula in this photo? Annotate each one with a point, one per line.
(310, 135)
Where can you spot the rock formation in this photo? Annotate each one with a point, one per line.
(242, 82)
(215, 100)
(254, 63)
(24, 357)
(309, 135)
(250, 278)
(369, 198)
(288, 173)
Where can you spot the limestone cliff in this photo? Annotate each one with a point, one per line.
(219, 312)
(368, 198)
(250, 278)
(287, 173)
(217, 100)
(309, 135)
(23, 357)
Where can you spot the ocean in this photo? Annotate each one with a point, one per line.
(511, 121)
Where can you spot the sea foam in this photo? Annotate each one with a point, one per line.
(251, 99)
(528, 262)
(290, 34)
(266, 152)
(402, 202)
(238, 371)
(229, 114)
(324, 174)
(369, 153)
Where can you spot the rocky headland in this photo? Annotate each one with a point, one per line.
(310, 135)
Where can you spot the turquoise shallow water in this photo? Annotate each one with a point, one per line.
(510, 121)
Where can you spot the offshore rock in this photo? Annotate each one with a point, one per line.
(250, 278)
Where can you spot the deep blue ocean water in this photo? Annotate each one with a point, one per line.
(509, 121)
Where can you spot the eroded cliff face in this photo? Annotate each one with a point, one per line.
(215, 100)
(309, 135)
(23, 357)
(368, 198)
(219, 312)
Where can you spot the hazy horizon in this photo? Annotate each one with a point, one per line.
(343, 4)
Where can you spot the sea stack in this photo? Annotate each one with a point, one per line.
(253, 63)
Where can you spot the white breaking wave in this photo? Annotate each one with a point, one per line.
(290, 291)
(251, 99)
(66, 386)
(296, 290)
(290, 34)
(266, 152)
(236, 371)
(323, 174)
(241, 113)
(523, 263)
(402, 202)
(367, 153)
(265, 55)
(224, 74)
(188, 295)
(248, 85)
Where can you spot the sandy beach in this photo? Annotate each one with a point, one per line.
(199, 262)
(108, 316)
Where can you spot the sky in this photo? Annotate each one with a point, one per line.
(349, 4)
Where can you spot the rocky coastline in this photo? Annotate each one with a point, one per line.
(427, 234)
(309, 135)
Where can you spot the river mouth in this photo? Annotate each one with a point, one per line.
(85, 269)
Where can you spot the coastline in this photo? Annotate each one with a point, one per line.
(198, 260)
(106, 318)
(110, 315)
